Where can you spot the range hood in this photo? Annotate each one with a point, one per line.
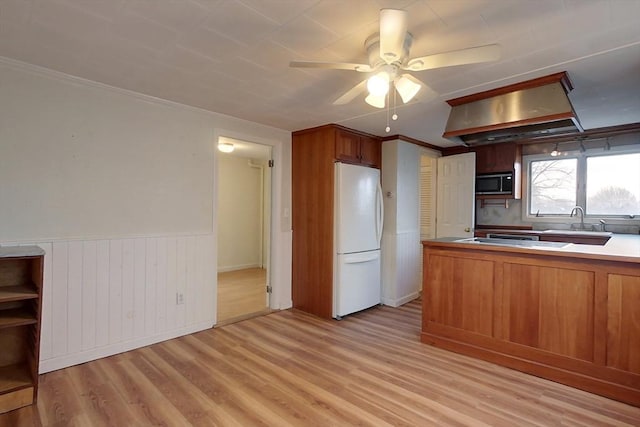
(533, 110)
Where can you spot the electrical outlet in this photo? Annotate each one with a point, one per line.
(179, 298)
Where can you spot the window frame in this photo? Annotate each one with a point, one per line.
(581, 191)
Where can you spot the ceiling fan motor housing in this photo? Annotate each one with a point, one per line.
(372, 46)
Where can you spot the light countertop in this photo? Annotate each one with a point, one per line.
(620, 247)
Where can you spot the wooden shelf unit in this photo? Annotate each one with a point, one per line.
(21, 278)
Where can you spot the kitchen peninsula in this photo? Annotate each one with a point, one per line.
(569, 313)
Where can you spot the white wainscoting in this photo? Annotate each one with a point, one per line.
(103, 297)
(401, 257)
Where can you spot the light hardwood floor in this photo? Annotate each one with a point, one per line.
(241, 294)
(291, 368)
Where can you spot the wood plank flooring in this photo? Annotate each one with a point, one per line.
(241, 294)
(293, 369)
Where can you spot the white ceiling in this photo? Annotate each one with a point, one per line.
(232, 56)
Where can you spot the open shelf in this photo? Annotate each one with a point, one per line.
(14, 377)
(16, 317)
(17, 293)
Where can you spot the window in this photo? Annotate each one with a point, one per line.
(553, 186)
(613, 185)
(606, 185)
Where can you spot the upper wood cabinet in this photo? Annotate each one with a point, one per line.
(352, 147)
(498, 158)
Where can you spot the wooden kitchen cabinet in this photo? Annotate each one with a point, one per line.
(623, 327)
(549, 308)
(352, 147)
(314, 153)
(497, 158)
(456, 299)
(21, 271)
(500, 158)
(568, 319)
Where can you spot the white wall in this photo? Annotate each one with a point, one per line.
(119, 189)
(239, 214)
(401, 249)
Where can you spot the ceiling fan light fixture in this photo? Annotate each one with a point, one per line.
(226, 147)
(375, 101)
(406, 87)
(378, 84)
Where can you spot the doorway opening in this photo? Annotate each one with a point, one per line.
(244, 231)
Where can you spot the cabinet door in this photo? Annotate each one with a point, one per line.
(496, 157)
(485, 159)
(504, 157)
(370, 151)
(347, 146)
(623, 323)
(549, 308)
(459, 293)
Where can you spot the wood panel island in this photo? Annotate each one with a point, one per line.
(569, 314)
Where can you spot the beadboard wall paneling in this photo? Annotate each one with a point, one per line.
(103, 297)
(402, 255)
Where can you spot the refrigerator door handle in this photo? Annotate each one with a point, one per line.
(355, 259)
(379, 213)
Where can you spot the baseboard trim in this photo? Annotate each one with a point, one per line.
(238, 267)
(400, 301)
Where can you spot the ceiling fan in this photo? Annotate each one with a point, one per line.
(388, 53)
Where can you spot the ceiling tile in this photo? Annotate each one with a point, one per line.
(65, 18)
(15, 11)
(304, 36)
(344, 17)
(186, 59)
(211, 44)
(144, 32)
(456, 11)
(109, 10)
(246, 27)
(270, 55)
(180, 15)
(514, 17)
(281, 11)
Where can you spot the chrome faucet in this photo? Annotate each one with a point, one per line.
(578, 209)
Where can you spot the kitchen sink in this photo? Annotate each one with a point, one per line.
(513, 243)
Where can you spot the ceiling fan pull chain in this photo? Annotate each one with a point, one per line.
(388, 128)
(395, 116)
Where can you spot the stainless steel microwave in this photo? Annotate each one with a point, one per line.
(496, 183)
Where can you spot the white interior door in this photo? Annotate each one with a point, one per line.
(455, 207)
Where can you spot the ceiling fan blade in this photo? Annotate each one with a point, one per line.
(393, 31)
(472, 55)
(363, 68)
(351, 93)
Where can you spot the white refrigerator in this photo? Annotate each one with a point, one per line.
(357, 234)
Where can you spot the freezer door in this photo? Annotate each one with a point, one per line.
(357, 282)
(359, 210)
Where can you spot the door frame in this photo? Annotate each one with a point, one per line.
(280, 242)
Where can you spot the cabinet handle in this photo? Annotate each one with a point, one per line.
(466, 230)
